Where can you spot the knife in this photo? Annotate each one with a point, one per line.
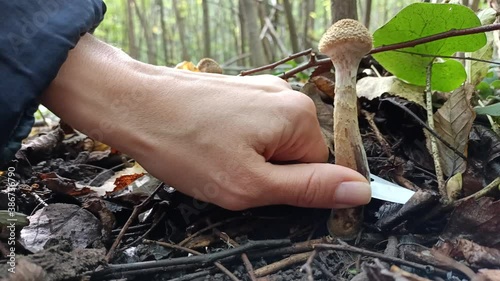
(388, 191)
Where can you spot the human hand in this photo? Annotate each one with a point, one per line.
(211, 136)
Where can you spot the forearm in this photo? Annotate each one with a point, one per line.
(95, 89)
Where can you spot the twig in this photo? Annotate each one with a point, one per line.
(217, 224)
(495, 184)
(435, 37)
(248, 265)
(349, 248)
(447, 57)
(274, 64)
(431, 131)
(139, 239)
(434, 146)
(194, 252)
(274, 267)
(137, 210)
(391, 47)
(206, 258)
(307, 266)
(383, 142)
(311, 63)
(192, 276)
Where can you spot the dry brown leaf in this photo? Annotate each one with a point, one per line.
(373, 87)
(473, 253)
(476, 220)
(453, 122)
(324, 84)
(324, 112)
(187, 65)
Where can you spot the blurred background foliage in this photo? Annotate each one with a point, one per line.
(239, 34)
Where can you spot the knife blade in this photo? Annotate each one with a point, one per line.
(388, 191)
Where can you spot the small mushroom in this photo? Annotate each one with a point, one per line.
(346, 42)
(209, 65)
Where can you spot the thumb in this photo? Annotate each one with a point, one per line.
(316, 185)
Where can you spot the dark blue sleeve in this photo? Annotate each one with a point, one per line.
(35, 37)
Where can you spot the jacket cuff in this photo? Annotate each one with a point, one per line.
(36, 38)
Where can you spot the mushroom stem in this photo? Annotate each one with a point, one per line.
(349, 150)
(346, 42)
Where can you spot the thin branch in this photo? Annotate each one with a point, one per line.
(424, 125)
(206, 258)
(349, 248)
(274, 64)
(137, 210)
(447, 57)
(392, 47)
(222, 268)
(434, 146)
(438, 36)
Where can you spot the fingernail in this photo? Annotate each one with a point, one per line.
(353, 193)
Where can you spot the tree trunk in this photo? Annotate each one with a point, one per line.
(257, 56)
(266, 39)
(343, 9)
(368, 12)
(291, 26)
(132, 44)
(164, 32)
(243, 30)
(151, 52)
(309, 6)
(179, 20)
(206, 29)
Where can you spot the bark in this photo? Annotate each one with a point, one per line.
(179, 19)
(291, 26)
(132, 44)
(206, 29)
(343, 9)
(257, 56)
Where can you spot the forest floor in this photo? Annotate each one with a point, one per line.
(94, 212)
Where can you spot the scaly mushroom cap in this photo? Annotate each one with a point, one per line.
(209, 65)
(346, 37)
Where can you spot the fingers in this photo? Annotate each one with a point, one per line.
(315, 186)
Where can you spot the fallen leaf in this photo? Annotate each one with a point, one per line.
(476, 220)
(374, 87)
(187, 65)
(60, 221)
(324, 112)
(475, 254)
(453, 122)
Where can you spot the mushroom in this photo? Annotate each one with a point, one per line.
(346, 42)
(209, 65)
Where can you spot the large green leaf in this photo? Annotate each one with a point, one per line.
(424, 19)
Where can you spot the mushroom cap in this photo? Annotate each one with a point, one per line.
(346, 35)
(209, 65)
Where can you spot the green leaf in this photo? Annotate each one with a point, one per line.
(493, 110)
(495, 84)
(478, 69)
(424, 19)
(484, 89)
